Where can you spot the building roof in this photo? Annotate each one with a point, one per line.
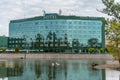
(3, 37)
(57, 16)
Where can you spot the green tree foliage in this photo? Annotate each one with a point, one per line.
(113, 26)
(113, 32)
(61, 45)
(102, 50)
(52, 41)
(38, 42)
(3, 50)
(115, 52)
(75, 43)
(111, 8)
(38, 69)
(49, 38)
(91, 50)
(17, 49)
(66, 41)
(93, 42)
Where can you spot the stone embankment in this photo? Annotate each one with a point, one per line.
(112, 64)
(55, 56)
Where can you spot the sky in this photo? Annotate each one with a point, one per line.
(18, 9)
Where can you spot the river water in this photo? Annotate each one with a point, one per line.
(54, 70)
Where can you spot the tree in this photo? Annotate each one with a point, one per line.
(17, 49)
(38, 69)
(38, 42)
(113, 32)
(113, 26)
(66, 41)
(93, 42)
(76, 44)
(91, 50)
(49, 38)
(32, 45)
(54, 41)
(115, 52)
(111, 8)
(3, 50)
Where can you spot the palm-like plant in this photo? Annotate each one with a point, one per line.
(49, 38)
(76, 44)
(66, 41)
(38, 42)
(54, 40)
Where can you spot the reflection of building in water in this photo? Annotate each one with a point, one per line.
(3, 72)
(52, 70)
(82, 70)
(15, 70)
(6, 70)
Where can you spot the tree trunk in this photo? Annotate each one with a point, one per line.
(119, 61)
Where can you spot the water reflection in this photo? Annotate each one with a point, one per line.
(50, 70)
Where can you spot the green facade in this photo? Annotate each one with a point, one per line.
(16, 42)
(3, 42)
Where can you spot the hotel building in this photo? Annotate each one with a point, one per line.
(73, 27)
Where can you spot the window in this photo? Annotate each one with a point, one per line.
(75, 22)
(79, 27)
(63, 22)
(51, 22)
(9, 45)
(46, 27)
(36, 23)
(80, 22)
(84, 22)
(16, 41)
(70, 27)
(20, 24)
(70, 22)
(56, 22)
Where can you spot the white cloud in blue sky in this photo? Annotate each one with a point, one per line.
(16, 9)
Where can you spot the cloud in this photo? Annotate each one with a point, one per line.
(12, 9)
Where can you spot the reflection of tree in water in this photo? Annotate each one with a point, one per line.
(15, 70)
(2, 64)
(16, 65)
(37, 69)
(75, 66)
(65, 69)
(92, 71)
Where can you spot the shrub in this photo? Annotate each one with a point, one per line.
(101, 50)
(3, 50)
(91, 50)
(16, 49)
